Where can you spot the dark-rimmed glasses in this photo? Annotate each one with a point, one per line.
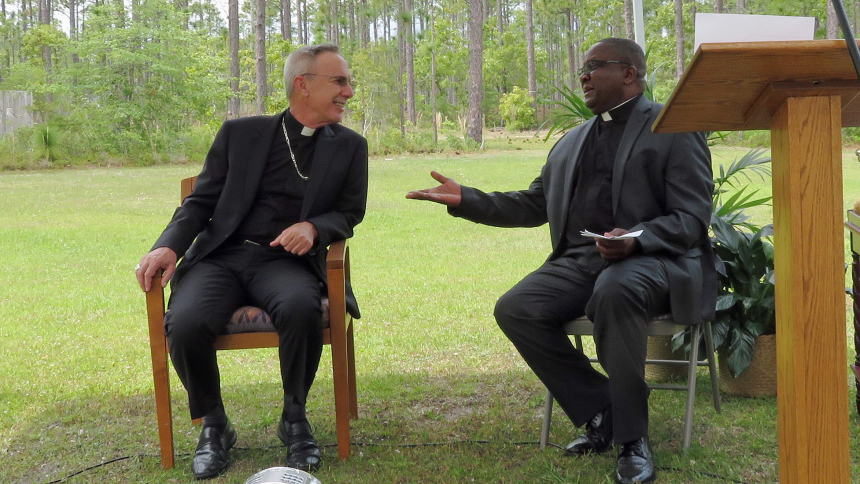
(341, 81)
(595, 64)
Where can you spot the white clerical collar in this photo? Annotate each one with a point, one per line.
(608, 117)
(308, 131)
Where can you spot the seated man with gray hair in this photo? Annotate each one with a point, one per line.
(274, 192)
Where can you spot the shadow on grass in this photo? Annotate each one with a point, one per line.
(413, 428)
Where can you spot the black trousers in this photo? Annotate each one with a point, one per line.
(619, 298)
(202, 302)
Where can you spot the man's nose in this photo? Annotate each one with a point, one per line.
(347, 91)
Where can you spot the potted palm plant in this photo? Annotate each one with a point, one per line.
(744, 326)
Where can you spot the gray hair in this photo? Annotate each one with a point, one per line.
(300, 60)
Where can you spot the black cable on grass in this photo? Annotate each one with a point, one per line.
(381, 444)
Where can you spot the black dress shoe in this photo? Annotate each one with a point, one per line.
(597, 437)
(303, 453)
(635, 463)
(210, 458)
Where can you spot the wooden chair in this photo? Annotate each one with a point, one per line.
(251, 328)
(659, 326)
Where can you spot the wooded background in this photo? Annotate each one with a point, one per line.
(152, 79)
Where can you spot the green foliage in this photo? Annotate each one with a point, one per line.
(517, 110)
(730, 209)
(47, 142)
(573, 112)
(744, 259)
(745, 303)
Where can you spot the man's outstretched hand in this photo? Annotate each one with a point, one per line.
(447, 193)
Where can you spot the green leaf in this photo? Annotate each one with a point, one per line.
(740, 351)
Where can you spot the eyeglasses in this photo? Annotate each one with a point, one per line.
(595, 64)
(341, 81)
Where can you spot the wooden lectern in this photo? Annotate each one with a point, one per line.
(804, 92)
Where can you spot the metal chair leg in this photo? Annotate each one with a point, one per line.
(691, 385)
(712, 366)
(547, 421)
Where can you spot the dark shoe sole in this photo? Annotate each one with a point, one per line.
(648, 481)
(591, 451)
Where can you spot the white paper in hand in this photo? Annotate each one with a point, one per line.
(629, 235)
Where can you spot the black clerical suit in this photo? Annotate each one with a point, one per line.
(248, 192)
(599, 176)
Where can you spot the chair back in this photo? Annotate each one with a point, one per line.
(186, 186)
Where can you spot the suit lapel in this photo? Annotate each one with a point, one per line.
(324, 153)
(255, 154)
(638, 119)
(576, 145)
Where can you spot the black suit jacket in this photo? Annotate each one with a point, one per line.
(661, 184)
(334, 202)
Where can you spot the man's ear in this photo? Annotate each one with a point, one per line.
(631, 75)
(300, 86)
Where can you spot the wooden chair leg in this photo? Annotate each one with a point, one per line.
(160, 371)
(350, 358)
(161, 376)
(340, 377)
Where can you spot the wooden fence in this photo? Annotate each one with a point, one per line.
(15, 110)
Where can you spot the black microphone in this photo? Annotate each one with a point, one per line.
(846, 32)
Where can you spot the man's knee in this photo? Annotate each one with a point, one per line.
(508, 310)
(610, 293)
(299, 313)
(185, 328)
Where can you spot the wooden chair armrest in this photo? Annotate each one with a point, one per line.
(337, 274)
(155, 308)
(337, 255)
(337, 260)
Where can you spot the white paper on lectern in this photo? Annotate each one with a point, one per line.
(730, 27)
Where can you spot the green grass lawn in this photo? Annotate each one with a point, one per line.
(443, 396)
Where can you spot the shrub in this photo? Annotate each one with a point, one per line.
(517, 110)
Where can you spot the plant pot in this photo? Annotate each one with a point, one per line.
(759, 379)
(660, 348)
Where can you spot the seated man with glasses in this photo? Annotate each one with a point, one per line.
(274, 192)
(611, 176)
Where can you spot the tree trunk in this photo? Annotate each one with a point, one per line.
(299, 21)
(679, 38)
(233, 32)
(44, 15)
(741, 6)
(286, 21)
(260, 53)
(530, 53)
(433, 71)
(832, 22)
(718, 6)
(335, 25)
(501, 20)
(353, 32)
(474, 123)
(628, 19)
(410, 64)
(45, 19)
(572, 60)
(73, 18)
